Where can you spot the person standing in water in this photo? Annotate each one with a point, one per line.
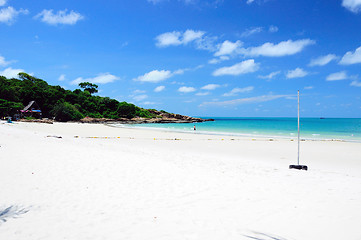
(194, 127)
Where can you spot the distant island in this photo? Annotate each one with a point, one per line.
(30, 99)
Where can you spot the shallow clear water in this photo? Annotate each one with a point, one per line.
(311, 128)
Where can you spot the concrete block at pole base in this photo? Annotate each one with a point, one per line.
(299, 167)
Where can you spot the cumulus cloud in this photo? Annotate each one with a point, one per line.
(61, 77)
(244, 67)
(186, 89)
(190, 35)
(8, 15)
(2, 2)
(210, 87)
(177, 38)
(11, 72)
(137, 91)
(235, 91)
(352, 5)
(284, 48)
(355, 83)
(323, 60)
(161, 75)
(155, 1)
(61, 17)
(159, 88)
(351, 57)
(139, 98)
(202, 93)
(218, 60)
(258, 99)
(155, 76)
(3, 62)
(228, 48)
(159, 1)
(251, 31)
(102, 78)
(270, 76)
(296, 73)
(337, 76)
(273, 29)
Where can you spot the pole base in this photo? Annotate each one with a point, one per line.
(299, 167)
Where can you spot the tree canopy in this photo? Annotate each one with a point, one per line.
(64, 105)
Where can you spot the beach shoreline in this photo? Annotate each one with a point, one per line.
(100, 182)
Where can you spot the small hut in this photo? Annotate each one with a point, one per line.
(31, 110)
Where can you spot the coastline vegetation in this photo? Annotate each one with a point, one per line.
(61, 104)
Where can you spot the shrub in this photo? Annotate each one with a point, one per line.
(126, 110)
(64, 112)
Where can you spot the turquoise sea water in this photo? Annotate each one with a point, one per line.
(311, 128)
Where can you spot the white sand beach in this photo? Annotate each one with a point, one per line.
(101, 182)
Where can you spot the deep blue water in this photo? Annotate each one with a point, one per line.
(311, 128)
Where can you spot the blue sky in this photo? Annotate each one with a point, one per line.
(238, 58)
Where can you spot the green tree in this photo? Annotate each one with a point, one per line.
(65, 111)
(8, 108)
(89, 87)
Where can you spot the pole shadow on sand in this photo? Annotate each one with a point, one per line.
(263, 236)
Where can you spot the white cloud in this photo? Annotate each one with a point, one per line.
(139, 98)
(228, 48)
(149, 103)
(61, 77)
(168, 39)
(308, 87)
(61, 17)
(155, 1)
(11, 73)
(264, 98)
(210, 87)
(250, 1)
(218, 60)
(351, 57)
(271, 75)
(352, 5)
(8, 15)
(137, 91)
(337, 76)
(155, 76)
(2, 2)
(355, 83)
(206, 43)
(235, 91)
(251, 31)
(273, 29)
(186, 89)
(246, 66)
(102, 78)
(159, 88)
(278, 50)
(177, 38)
(296, 73)
(159, 1)
(323, 60)
(191, 35)
(202, 93)
(161, 75)
(3, 62)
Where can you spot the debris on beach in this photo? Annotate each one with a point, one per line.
(53, 136)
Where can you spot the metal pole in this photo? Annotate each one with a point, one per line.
(298, 123)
